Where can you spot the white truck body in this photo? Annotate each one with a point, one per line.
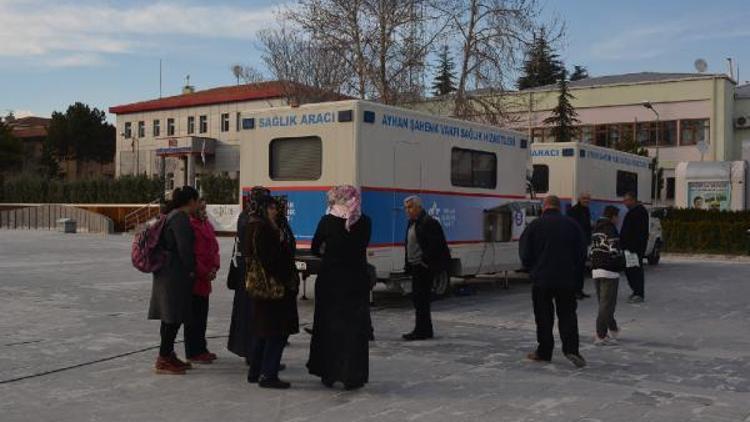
(460, 169)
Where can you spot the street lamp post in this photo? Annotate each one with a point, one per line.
(656, 194)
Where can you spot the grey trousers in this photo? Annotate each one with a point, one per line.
(606, 292)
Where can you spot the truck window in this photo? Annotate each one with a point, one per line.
(296, 158)
(473, 169)
(540, 178)
(626, 182)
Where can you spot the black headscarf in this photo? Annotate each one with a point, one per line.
(282, 205)
(258, 202)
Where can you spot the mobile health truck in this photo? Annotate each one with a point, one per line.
(471, 177)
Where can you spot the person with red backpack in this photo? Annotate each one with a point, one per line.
(174, 278)
(207, 263)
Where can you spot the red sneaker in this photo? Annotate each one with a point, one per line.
(213, 355)
(165, 366)
(202, 359)
(179, 363)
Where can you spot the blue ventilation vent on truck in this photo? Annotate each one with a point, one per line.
(369, 117)
(345, 116)
(568, 152)
(582, 153)
(248, 124)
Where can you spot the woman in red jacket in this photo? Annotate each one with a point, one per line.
(206, 267)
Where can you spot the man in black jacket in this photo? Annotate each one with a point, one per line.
(634, 238)
(427, 255)
(551, 249)
(581, 213)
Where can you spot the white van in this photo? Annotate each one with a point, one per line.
(468, 175)
(568, 169)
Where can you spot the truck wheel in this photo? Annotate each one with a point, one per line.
(441, 285)
(655, 256)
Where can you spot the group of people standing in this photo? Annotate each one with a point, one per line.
(554, 248)
(266, 284)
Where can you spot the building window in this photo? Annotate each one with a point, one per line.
(473, 169)
(665, 133)
(191, 125)
(203, 124)
(296, 158)
(694, 131)
(141, 129)
(587, 134)
(157, 128)
(670, 188)
(170, 127)
(238, 122)
(225, 122)
(128, 131)
(626, 182)
(540, 178)
(537, 135)
(600, 135)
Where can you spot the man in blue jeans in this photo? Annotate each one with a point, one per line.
(551, 248)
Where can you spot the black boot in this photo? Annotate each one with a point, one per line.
(252, 376)
(276, 383)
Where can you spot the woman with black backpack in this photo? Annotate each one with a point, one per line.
(607, 261)
(171, 295)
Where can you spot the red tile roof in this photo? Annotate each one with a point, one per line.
(220, 95)
(29, 127)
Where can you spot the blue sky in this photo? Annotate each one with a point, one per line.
(106, 52)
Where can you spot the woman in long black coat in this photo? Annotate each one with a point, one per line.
(239, 342)
(339, 349)
(271, 321)
(172, 291)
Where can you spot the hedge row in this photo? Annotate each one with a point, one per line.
(701, 231)
(124, 190)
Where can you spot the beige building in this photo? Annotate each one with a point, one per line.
(694, 109)
(185, 136)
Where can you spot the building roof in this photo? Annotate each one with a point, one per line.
(29, 127)
(220, 95)
(742, 91)
(631, 78)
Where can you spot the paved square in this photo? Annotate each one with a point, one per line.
(69, 300)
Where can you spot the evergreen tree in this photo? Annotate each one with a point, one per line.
(564, 117)
(579, 72)
(444, 80)
(542, 65)
(11, 149)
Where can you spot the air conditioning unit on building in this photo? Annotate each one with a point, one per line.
(742, 122)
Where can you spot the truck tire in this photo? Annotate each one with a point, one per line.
(655, 256)
(441, 285)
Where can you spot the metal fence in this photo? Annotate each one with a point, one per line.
(44, 217)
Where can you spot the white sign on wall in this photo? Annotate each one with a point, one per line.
(223, 217)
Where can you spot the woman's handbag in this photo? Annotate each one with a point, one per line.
(258, 283)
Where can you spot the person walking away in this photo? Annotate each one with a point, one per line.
(634, 239)
(606, 262)
(207, 264)
(271, 320)
(171, 294)
(339, 348)
(427, 255)
(550, 248)
(581, 213)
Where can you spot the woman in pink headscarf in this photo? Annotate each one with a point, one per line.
(339, 349)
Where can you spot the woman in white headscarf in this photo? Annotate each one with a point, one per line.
(339, 349)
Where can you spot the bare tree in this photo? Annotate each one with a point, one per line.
(383, 42)
(310, 71)
(246, 74)
(491, 36)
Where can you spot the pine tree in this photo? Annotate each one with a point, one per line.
(579, 72)
(542, 65)
(444, 80)
(564, 116)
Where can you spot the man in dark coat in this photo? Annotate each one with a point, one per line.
(550, 248)
(634, 238)
(581, 213)
(427, 255)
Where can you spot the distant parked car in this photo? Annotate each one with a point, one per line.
(655, 239)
